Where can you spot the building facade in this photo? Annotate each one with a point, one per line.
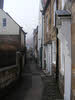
(40, 34)
(50, 36)
(12, 38)
(73, 49)
(12, 50)
(57, 42)
(63, 25)
(35, 43)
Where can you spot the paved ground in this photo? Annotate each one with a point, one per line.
(30, 87)
(51, 91)
(34, 85)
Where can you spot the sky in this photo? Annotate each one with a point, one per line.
(24, 12)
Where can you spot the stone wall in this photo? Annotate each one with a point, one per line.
(7, 76)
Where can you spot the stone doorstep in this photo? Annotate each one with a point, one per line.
(46, 72)
(59, 99)
(73, 80)
(73, 84)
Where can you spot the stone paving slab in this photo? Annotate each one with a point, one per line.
(51, 91)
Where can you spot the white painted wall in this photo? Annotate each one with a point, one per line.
(68, 62)
(65, 37)
(40, 27)
(11, 27)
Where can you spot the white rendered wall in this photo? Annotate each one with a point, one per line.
(40, 27)
(65, 36)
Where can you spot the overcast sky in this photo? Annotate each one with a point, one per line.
(24, 12)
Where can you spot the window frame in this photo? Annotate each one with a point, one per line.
(4, 22)
(47, 29)
(54, 10)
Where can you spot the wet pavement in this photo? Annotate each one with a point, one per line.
(51, 90)
(29, 87)
(34, 85)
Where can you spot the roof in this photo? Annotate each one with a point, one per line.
(61, 13)
(11, 18)
(15, 21)
(24, 31)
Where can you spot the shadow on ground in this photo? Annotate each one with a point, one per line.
(19, 89)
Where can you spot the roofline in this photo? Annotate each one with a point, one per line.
(14, 21)
(11, 18)
(24, 31)
(63, 15)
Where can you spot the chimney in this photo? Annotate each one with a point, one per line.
(1, 4)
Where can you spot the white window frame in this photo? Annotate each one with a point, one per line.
(54, 52)
(62, 58)
(4, 22)
(63, 3)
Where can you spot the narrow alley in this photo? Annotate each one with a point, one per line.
(37, 49)
(33, 85)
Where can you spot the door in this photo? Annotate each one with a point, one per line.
(46, 48)
(50, 59)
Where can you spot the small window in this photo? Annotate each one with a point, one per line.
(63, 3)
(47, 24)
(4, 22)
(54, 11)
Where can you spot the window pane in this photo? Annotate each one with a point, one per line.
(4, 22)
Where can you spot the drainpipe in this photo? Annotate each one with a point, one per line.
(57, 57)
(42, 41)
(57, 42)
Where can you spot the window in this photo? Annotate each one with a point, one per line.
(63, 3)
(47, 23)
(54, 51)
(62, 58)
(4, 22)
(54, 11)
(50, 14)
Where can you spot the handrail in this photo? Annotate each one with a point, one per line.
(8, 68)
